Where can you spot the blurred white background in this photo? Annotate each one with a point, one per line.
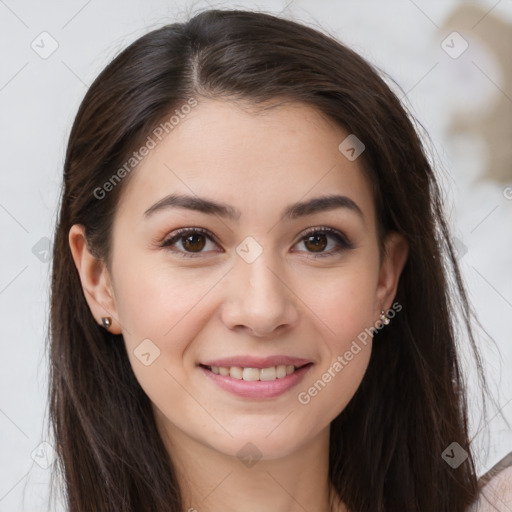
(457, 85)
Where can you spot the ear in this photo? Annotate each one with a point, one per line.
(95, 279)
(393, 261)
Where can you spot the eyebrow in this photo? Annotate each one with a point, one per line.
(293, 211)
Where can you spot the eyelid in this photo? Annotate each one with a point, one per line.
(342, 240)
(324, 229)
(179, 233)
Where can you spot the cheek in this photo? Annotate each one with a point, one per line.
(345, 305)
(326, 394)
(157, 301)
(344, 301)
(341, 371)
(159, 313)
(167, 307)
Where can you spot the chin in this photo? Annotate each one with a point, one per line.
(271, 440)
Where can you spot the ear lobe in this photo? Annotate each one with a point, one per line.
(393, 262)
(95, 279)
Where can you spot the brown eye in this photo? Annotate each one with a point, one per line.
(191, 240)
(194, 240)
(316, 242)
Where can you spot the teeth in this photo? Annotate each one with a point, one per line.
(252, 374)
(236, 372)
(267, 373)
(281, 371)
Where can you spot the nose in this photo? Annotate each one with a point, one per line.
(259, 300)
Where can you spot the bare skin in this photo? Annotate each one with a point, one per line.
(215, 304)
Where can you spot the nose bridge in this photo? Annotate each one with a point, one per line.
(253, 262)
(260, 301)
(262, 287)
(260, 279)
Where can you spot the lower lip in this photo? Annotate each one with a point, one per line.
(258, 388)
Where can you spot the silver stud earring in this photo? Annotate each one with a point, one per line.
(106, 321)
(384, 318)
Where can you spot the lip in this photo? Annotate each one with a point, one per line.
(257, 389)
(256, 362)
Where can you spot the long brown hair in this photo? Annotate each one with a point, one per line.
(386, 445)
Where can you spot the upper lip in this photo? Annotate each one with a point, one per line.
(256, 362)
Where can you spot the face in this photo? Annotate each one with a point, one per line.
(252, 282)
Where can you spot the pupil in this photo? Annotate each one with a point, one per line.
(191, 237)
(316, 245)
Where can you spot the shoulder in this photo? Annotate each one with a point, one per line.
(495, 488)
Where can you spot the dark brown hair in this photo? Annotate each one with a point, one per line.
(386, 445)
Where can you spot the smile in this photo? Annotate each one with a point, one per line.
(256, 383)
(253, 374)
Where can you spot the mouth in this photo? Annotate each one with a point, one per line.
(251, 374)
(254, 378)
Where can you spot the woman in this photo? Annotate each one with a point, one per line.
(251, 306)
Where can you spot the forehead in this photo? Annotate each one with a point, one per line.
(257, 161)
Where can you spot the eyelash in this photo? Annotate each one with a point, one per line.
(343, 242)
